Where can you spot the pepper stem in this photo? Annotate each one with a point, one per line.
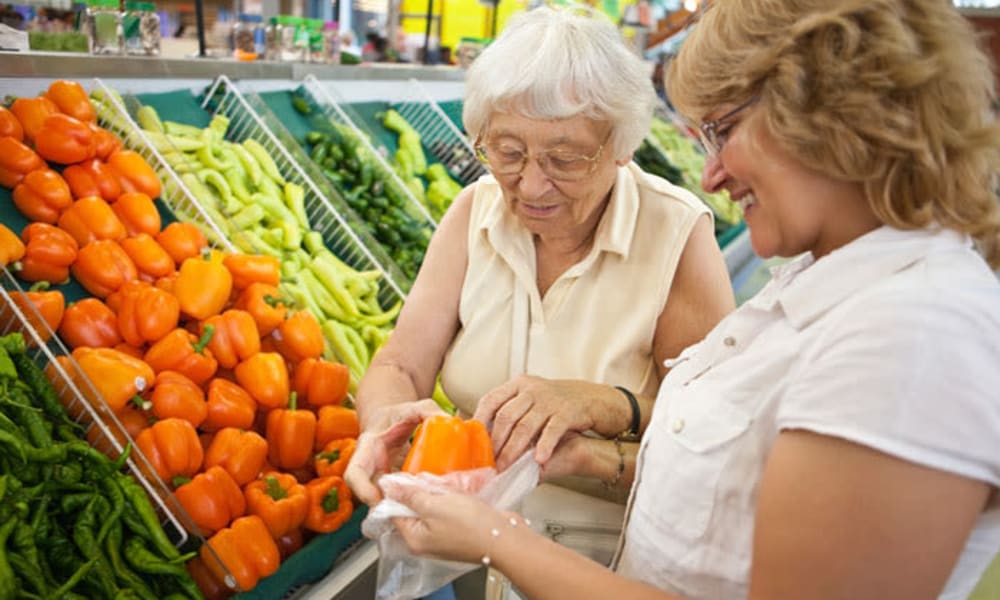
(205, 338)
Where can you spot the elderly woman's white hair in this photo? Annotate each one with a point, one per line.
(554, 63)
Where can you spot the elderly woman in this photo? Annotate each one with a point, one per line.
(555, 286)
(836, 436)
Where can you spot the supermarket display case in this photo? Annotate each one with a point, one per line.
(335, 566)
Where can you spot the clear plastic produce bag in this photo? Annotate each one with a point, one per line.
(403, 576)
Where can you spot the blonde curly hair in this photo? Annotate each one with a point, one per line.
(895, 95)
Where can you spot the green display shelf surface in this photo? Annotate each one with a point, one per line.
(453, 108)
(181, 106)
(312, 562)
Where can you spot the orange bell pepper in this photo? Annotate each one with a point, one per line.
(70, 98)
(246, 550)
(92, 178)
(253, 268)
(290, 543)
(151, 260)
(90, 219)
(65, 140)
(335, 422)
(116, 376)
(146, 313)
(320, 382)
(16, 161)
(212, 500)
(263, 302)
(42, 196)
(299, 337)
(203, 287)
(242, 453)
(41, 307)
(330, 504)
(172, 448)
(444, 444)
(174, 395)
(105, 142)
(138, 214)
(182, 241)
(102, 267)
(89, 323)
(10, 126)
(235, 339)
(279, 500)
(11, 247)
(181, 351)
(32, 112)
(134, 173)
(290, 435)
(48, 253)
(265, 377)
(333, 459)
(229, 405)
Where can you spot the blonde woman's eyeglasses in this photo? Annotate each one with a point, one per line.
(714, 134)
(561, 165)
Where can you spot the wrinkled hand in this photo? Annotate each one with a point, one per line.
(570, 457)
(379, 451)
(451, 526)
(529, 410)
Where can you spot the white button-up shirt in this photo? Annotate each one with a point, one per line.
(892, 341)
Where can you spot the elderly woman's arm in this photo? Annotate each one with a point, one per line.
(530, 410)
(404, 370)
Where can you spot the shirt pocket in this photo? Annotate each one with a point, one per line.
(699, 442)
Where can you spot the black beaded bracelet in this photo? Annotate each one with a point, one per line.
(632, 433)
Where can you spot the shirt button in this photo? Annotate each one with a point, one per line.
(729, 341)
(677, 425)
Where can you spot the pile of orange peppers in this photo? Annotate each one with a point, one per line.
(218, 382)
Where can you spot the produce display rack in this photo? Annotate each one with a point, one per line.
(335, 109)
(439, 133)
(354, 246)
(70, 383)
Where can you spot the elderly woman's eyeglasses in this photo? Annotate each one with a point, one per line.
(714, 134)
(557, 164)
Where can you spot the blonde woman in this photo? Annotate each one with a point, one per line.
(837, 436)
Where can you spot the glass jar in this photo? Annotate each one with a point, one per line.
(331, 43)
(149, 29)
(302, 33)
(315, 28)
(290, 51)
(131, 38)
(272, 40)
(105, 23)
(245, 37)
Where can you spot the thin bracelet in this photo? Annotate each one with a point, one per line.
(611, 485)
(632, 433)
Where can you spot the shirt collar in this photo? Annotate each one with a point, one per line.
(816, 288)
(614, 232)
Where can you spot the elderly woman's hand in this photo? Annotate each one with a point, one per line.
(529, 410)
(383, 447)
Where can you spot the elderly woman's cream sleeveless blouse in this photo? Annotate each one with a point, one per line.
(596, 322)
